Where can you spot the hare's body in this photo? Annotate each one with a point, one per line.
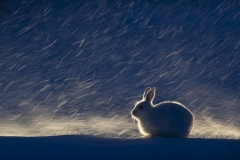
(169, 119)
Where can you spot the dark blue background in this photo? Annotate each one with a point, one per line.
(97, 57)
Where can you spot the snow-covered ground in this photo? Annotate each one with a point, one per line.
(88, 147)
(78, 67)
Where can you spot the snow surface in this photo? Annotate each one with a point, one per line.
(78, 67)
(89, 147)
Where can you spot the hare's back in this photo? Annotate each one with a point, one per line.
(176, 113)
(175, 110)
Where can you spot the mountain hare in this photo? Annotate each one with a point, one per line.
(168, 118)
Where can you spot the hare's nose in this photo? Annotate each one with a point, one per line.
(133, 112)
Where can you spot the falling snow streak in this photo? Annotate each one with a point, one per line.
(78, 67)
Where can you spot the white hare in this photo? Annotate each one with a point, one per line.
(169, 118)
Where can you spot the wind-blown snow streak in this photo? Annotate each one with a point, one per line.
(116, 127)
(77, 67)
(210, 121)
(97, 126)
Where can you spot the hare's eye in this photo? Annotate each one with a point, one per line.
(140, 106)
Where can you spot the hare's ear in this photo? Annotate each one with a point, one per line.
(151, 95)
(146, 92)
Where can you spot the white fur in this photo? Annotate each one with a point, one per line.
(169, 118)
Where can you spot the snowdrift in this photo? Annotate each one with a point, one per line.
(91, 147)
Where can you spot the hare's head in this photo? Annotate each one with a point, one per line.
(143, 107)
